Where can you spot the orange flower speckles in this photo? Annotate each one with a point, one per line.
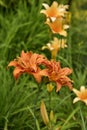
(29, 63)
(81, 95)
(54, 10)
(59, 75)
(57, 26)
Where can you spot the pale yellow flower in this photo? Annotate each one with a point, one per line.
(54, 46)
(57, 26)
(54, 10)
(81, 95)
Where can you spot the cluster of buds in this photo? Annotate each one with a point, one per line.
(49, 120)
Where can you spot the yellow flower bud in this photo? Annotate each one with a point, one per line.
(50, 87)
(58, 128)
(51, 115)
(44, 113)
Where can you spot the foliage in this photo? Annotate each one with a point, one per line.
(22, 27)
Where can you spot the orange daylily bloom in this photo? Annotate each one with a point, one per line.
(81, 95)
(54, 10)
(57, 26)
(55, 46)
(29, 63)
(59, 75)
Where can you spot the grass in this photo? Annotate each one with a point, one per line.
(22, 28)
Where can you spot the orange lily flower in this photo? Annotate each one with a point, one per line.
(59, 75)
(29, 63)
(55, 46)
(57, 26)
(81, 95)
(54, 10)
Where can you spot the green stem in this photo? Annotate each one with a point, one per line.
(50, 101)
(6, 123)
(35, 103)
(82, 118)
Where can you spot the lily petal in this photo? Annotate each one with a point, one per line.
(76, 92)
(76, 100)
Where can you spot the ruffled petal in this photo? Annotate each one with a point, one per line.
(17, 72)
(13, 63)
(58, 86)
